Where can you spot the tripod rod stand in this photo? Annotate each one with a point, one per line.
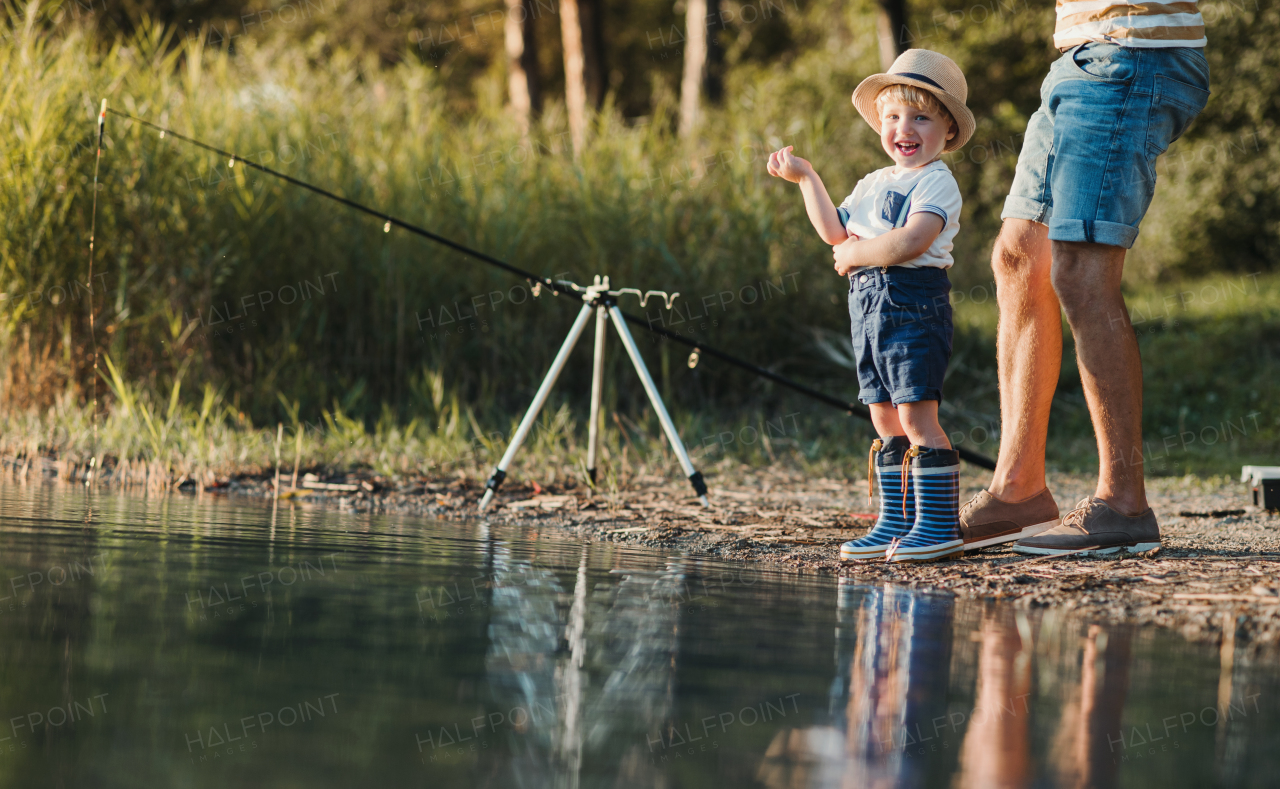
(599, 299)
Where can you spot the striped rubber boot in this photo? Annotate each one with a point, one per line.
(936, 533)
(893, 522)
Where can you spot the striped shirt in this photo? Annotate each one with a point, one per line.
(1129, 24)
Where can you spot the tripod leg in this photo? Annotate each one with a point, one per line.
(695, 476)
(597, 388)
(539, 399)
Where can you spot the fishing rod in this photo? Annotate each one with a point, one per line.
(93, 329)
(557, 287)
(390, 220)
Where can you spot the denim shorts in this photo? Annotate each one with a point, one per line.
(1088, 162)
(901, 326)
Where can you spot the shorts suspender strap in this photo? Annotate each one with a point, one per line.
(906, 209)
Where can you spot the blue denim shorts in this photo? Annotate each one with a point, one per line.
(1088, 162)
(901, 326)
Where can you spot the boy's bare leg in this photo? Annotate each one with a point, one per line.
(920, 422)
(884, 417)
(1086, 278)
(1028, 354)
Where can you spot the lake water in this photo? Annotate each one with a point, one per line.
(170, 642)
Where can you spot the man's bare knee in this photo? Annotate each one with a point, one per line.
(1073, 290)
(1020, 252)
(1085, 275)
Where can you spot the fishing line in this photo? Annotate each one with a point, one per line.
(555, 286)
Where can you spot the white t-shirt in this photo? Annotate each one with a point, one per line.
(886, 198)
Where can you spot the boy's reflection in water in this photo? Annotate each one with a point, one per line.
(893, 657)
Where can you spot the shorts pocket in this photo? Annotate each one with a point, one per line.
(1104, 62)
(1181, 102)
(922, 301)
(862, 297)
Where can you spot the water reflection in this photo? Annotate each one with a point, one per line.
(594, 679)
(889, 692)
(521, 666)
(181, 633)
(931, 691)
(895, 651)
(996, 752)
(1083, 755)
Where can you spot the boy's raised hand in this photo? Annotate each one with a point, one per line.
(792, 168)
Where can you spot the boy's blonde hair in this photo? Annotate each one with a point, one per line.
(916, 98)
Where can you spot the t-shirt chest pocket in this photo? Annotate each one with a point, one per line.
(891, 207)
(896, 206)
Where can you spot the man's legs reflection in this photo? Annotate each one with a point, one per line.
(996, 750)
(1084, 754)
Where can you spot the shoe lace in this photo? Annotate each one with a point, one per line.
(876, 446)
(1075, 518)
(914, 451)
(892, 549)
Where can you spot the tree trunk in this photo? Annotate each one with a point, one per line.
(522, 61)
(695, 65)
(891, 26)
(713, 79)
(575, 92)
(591, 13)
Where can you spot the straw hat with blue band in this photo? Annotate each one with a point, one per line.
(928, 70)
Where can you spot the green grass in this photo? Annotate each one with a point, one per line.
(1211, 377)
(215, 441)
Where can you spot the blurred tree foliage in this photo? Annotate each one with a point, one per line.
(1226, 214)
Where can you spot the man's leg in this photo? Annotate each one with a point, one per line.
(1118, 108)
(1029, 356)
(1086, 278)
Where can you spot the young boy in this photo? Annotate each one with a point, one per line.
(892, 237)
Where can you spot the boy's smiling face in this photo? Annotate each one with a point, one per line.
(913, 137)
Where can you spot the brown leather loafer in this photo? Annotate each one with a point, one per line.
(987, 521)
